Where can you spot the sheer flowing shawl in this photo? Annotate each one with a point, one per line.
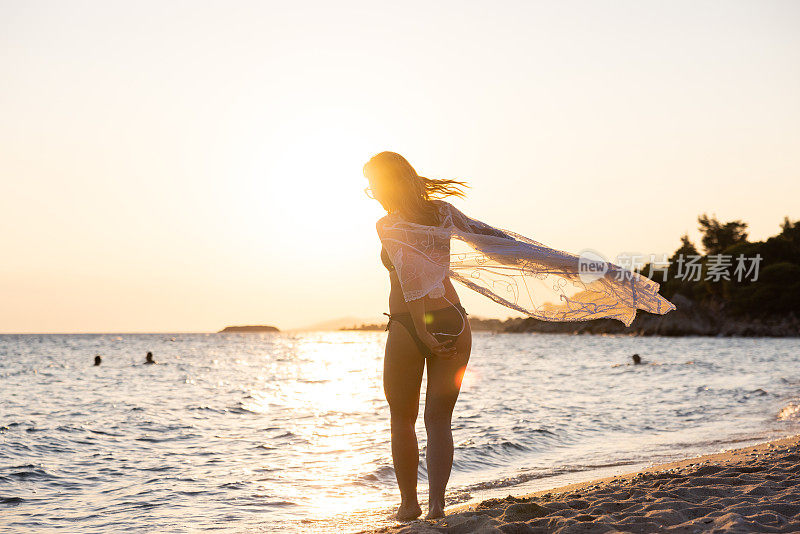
(512, 270)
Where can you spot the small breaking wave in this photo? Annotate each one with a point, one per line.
(790, 412)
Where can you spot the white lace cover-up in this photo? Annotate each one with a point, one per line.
(511, 269)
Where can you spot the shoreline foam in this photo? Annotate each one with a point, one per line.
(752, 489)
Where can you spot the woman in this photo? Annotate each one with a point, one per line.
(412, 343)
(427, 324)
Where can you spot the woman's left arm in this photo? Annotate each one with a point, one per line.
(417, 309)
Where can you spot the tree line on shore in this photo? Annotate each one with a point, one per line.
(774, 291)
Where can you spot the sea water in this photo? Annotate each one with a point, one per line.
(290, 432)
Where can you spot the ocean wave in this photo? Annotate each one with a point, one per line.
(382, 476)
(790, 412)
(539, 474)
(26, 472)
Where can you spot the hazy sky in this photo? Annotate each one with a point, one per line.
(182, 166)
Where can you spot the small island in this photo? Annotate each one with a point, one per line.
(251, 328)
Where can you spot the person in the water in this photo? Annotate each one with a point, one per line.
(149, 359)
(98, 360)
(636, 359)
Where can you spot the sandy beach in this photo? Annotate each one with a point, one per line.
(753, 489)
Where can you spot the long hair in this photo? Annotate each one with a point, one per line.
(404, 191)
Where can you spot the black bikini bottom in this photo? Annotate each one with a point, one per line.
(445, 324)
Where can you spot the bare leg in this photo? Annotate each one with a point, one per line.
(444, 383)
(402, 376)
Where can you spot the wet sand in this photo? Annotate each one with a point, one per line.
(753, 489)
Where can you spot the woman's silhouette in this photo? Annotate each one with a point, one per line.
(428, 326)
(427, 332)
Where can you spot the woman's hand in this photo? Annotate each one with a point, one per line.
(446, 350)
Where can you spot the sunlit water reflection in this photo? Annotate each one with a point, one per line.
(248, 432)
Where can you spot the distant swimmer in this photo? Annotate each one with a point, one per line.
(98, 360)
(636, 359)
(149, 358)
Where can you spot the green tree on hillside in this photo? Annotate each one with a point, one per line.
(717, 237)
(767, 285)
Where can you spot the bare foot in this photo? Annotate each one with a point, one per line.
(435, 512)
(407, 512)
